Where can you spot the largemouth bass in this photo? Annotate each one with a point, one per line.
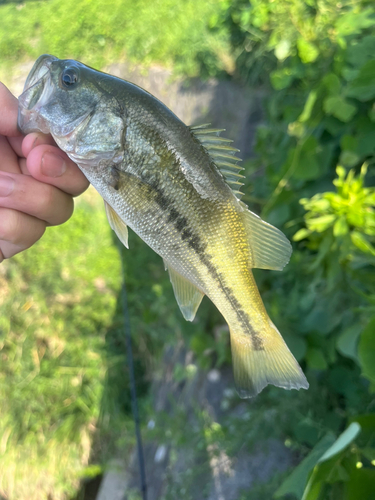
(177, 187)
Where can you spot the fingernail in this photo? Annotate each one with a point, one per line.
(6, 185)
(52, 165)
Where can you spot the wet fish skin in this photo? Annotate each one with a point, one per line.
(157, 177)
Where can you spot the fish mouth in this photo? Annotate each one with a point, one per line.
(37, 91)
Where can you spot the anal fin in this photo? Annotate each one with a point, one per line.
(117, 224)
(188, 296)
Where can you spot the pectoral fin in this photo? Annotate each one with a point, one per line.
(117, 224)
(187, 295)
(270, 248)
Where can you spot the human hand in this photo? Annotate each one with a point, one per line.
(37, 182)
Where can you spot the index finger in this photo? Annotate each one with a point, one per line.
(51, 165)
(9, 111)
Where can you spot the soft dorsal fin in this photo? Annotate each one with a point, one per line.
(270, 248)
(117, 224)
(187, 295)
(222, 154)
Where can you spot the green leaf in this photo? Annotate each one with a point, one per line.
(342, 380)
(363, 87)
(282, 50)
(371, 113)
(339, 108)
(368, 453)
(307, 51)
(347, 342)
(307, 431)
(296, 129)
(295, 483)
(367, 423)
(349, 158)
(342, 442)
(301, 234)
(366, 350)
(361, 485)
(362, 51)
(281, 78)
(340, 227)
(328, 470)
(309, 104)
(361, 242)
(322, 223)
(308, 165)
(334, 126)
(349, 74)
(354, 22)
(313, 489)
(279, 215)
(366, 143)
(332, 83)
(315, 359)
(349, 142)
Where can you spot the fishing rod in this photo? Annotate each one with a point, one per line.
(133, 391)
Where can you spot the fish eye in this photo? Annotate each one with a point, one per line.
(69, 77)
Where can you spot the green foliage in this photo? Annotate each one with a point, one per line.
(330, 463)
(316, 59)
(295, 483)
(348, 214)
(99, 33)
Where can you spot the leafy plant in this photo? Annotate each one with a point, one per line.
(316, 60)
(349, 212)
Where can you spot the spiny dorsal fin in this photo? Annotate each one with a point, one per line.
(270, 248)
(117, 224)
(222, 154)
(187, 295)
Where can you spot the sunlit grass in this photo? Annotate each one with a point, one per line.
(164, 31)
(57, 301)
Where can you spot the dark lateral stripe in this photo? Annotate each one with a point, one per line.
(194, 241)
(243, 317)
(180, 222)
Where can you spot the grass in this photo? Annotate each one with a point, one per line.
(165, 32)
(57, 301)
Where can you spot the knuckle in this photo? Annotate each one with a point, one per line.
(46, 200)
(50, 194)
(55, 206)
(20, 229)
(65, 213)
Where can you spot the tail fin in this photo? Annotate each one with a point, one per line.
(255, 369)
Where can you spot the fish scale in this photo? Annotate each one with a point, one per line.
(178, 189)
